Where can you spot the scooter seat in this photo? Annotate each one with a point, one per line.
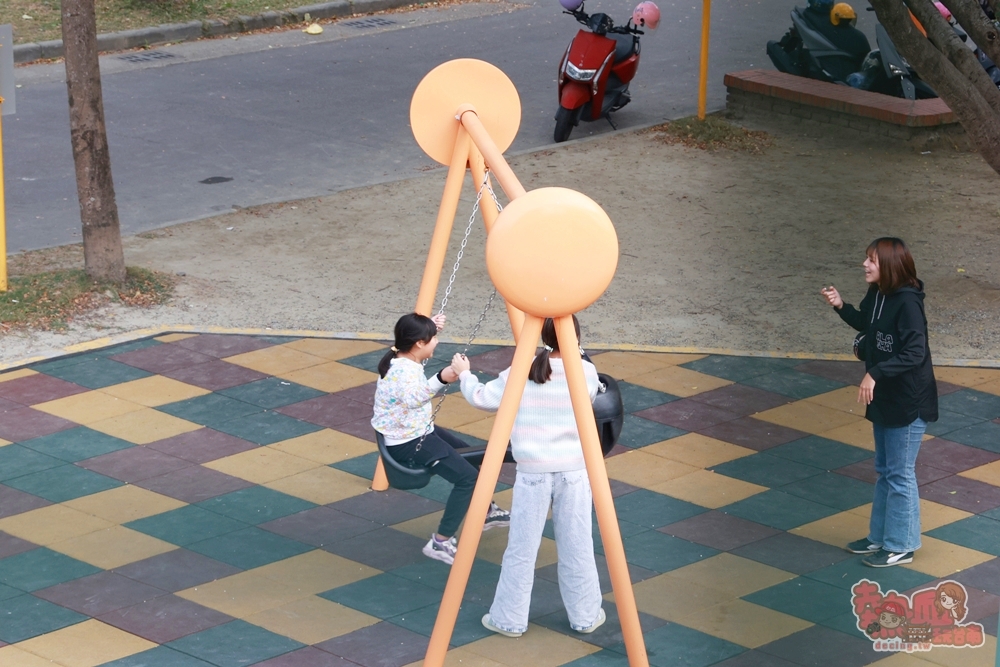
(625, 46)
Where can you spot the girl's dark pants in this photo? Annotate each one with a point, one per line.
(440, 446)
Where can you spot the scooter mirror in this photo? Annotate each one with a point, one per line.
(571, 5)
(646, 15)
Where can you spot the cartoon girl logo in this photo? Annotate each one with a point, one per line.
(950, 601)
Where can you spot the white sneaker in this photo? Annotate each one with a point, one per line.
(496, 518)
(443, 551)
(601, 617)
(488, 624)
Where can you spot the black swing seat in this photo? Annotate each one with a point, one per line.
(609, 413)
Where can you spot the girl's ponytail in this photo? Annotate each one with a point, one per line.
(541, 369)
(410, 330)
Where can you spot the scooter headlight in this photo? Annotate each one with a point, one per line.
(574, 72)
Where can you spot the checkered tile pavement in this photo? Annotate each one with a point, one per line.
(197, 500)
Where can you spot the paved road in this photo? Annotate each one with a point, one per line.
(288, 116)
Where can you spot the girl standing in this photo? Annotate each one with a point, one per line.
(899, 390)
(403, 415)
(550, 470)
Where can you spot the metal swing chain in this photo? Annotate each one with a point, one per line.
(447, 293)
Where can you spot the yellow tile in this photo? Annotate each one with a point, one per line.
(866, 510)
(456, 412)
(154, 391)
(991, 387)
(744, 623)
(698, 450)
(86, 644)
(538, 647)
(321, 485)
(638, 468)
(174, 337)
(112, 547)
(262, 465)
(627, 364)
(314, 572)
(46, 525)
(326, 446)
(984, 656)
(989, 473)
(275, 360)
(13, 375)
(12, 656)
(836, 530)
(844, 399)
(708, 489)
(4, 443)
(943, 559)
(144, 426)
(493, 543)
(329, 376)
(857, 433)
(480, 429)
(243, 594)
(670, 358)
(462, 657)
(424, 525)
(124, 503)
(672, 599)
(808, 417)
(966, 376)
(733, 575)
(678, 381)
(312, 620)
(334, 349)
(934, 515)
(88, 407)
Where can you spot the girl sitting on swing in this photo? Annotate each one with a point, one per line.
(403, 415)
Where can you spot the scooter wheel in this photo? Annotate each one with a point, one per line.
(565, 121)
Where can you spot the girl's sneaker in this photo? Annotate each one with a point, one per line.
(443, 550)
(864, 546)
(601, 617)
(883, 558)
(489, 625)
(496, 518)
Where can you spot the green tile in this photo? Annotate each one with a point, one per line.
(739, 369)
(16, 461)
(829, 488)
(40, 568)
(468, 625)
(674, 645)
(846, 623)
(949, 421)
(63, 483)
(77, 444)
(249, 548)
(656, 551)
(820, 453)
(235, 644)
(603, 658)
(161, 656)
(26, 616)
(638, 432)
(266, 428)
(210, 409)
(96, 373)
(186, 525)
(64, 362)
(984, 435)
(271, 393)
(384, 595)
(362, 466)
(848, 572)
(779, 510)
(804, 598)
(766, 470)
(255, 505)
(636, 397)
(792, 383)
(127, 347)
(439, 489)
(278, 340)
(433, 574)
(971, 402)
(367, 361)
(975, 532)
(7, 592)
(649, 509)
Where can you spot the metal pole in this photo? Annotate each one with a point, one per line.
(494, 158)
(706, 21)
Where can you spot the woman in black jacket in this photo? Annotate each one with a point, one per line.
(899, 390)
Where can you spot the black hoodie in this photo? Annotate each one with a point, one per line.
(896, 355)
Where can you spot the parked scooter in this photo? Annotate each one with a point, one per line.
(598, 65)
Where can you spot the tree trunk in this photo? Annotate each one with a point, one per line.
(102, 242)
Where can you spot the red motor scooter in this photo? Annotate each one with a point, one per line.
(598, 65)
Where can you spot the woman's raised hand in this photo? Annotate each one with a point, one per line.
(832, 297)
(460, 363)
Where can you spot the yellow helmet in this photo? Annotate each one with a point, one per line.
(842, 12)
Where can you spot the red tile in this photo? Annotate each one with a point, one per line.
(753, 433)
(39, 388)
(202, 446)
(161, 358)
(23, 423)
(164, 619)
(134, 464)
(223, 345)
(194, 484)
(215, 375)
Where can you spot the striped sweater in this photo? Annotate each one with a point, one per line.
(545, 437)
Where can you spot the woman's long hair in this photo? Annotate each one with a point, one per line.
(410, 330)
(895, 264)
(541, 370)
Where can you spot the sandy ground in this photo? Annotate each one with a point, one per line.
(719, 250)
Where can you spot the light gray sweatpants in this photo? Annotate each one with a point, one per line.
(570, 497)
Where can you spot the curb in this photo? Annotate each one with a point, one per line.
(181, 32)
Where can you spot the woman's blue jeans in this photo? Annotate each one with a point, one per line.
(895, 522)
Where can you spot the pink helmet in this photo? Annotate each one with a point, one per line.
(646, 15)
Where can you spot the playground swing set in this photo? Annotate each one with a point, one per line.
(550, 253)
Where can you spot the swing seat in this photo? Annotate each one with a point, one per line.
(609, 412)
